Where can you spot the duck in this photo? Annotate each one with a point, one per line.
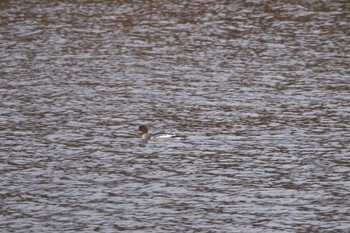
(158, 136)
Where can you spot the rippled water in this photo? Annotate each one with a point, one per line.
(262, 89)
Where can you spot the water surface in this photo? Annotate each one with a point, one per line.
(260, 89)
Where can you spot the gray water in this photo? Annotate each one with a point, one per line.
(261, 89)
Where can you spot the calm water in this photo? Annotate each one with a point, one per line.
(261, 89)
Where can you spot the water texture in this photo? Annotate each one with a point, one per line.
(260, 88)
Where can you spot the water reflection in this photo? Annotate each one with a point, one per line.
(260, 89)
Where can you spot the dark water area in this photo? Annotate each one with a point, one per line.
(261, 89)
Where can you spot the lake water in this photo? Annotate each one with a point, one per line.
(261, 89)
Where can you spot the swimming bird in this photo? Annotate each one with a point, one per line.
(158, 136)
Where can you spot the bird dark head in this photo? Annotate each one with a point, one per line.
(143, 129)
